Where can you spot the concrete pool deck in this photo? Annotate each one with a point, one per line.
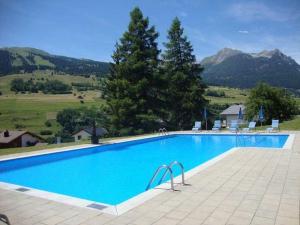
(251, 186)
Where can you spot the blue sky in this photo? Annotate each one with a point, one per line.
(90, 28)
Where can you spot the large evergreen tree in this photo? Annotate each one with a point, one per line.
(185, 90)
(131, 90)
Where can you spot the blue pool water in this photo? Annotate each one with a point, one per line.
(114, 173)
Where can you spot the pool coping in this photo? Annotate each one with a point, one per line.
(139, 199)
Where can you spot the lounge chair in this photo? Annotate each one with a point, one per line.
(234, 126)
(197, 126)
(217, 125)
(250, 127)
(274, 126)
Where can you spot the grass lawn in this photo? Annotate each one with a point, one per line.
(232, 95)
(30, 112)
(293, 124)
(38, 76)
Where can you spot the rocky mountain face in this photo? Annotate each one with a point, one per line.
(234, 68)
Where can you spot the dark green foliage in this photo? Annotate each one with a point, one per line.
(48, 123)
(56, 87)
(214, 93)
(69, 120)
(5, 64)
(277, 103)
(73, 120)
(52, 86)
(10, 59)
(132, 88)
(19, 126)
(184, 93)
(85, 86)
(17, 85)
(46, 132)
(50, 140)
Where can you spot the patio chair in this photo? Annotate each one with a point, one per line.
(274, 126)
(197, 126)
(234, 126)
(250, 127)
(217, 125)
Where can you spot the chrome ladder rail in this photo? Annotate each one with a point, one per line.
(163, 131)
(168, 169)
(171, 165)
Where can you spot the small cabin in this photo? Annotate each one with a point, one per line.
(85, 134)
(232, 113)
(17, 138)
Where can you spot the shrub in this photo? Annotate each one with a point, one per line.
(52, 86)
(48, 123)
(19, 126)
(29, 143)
(276, 102)
(51, 140)
(215, 93)
(46, 132)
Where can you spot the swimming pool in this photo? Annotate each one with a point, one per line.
(114, 173)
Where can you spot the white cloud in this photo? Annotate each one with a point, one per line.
(243, 31)
(251, 11)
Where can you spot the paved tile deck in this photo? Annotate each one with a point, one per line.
(257, 187)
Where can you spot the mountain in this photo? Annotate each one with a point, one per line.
(234, 68)
(18, 60)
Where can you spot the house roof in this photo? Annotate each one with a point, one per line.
(233, 110)
(99, 131)
(14, 134)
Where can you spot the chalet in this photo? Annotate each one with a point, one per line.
(232, 113)
(87, 133)
(12, 139)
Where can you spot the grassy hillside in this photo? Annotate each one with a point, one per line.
(232, 95)
(42, 76)
(31, 111)
(19, 60)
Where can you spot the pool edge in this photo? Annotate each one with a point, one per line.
(139, 199)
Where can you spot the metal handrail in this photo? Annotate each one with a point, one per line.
(168, 169)
(171, 165)
(163, 131)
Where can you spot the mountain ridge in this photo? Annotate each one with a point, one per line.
(26, 59)
(234, 68)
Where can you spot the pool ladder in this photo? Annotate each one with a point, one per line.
(168, 168)
(163, 131)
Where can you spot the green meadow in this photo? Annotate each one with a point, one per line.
(31, 111)
(232, 95)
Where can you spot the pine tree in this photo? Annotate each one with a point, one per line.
(131, 90)
(185, 90)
